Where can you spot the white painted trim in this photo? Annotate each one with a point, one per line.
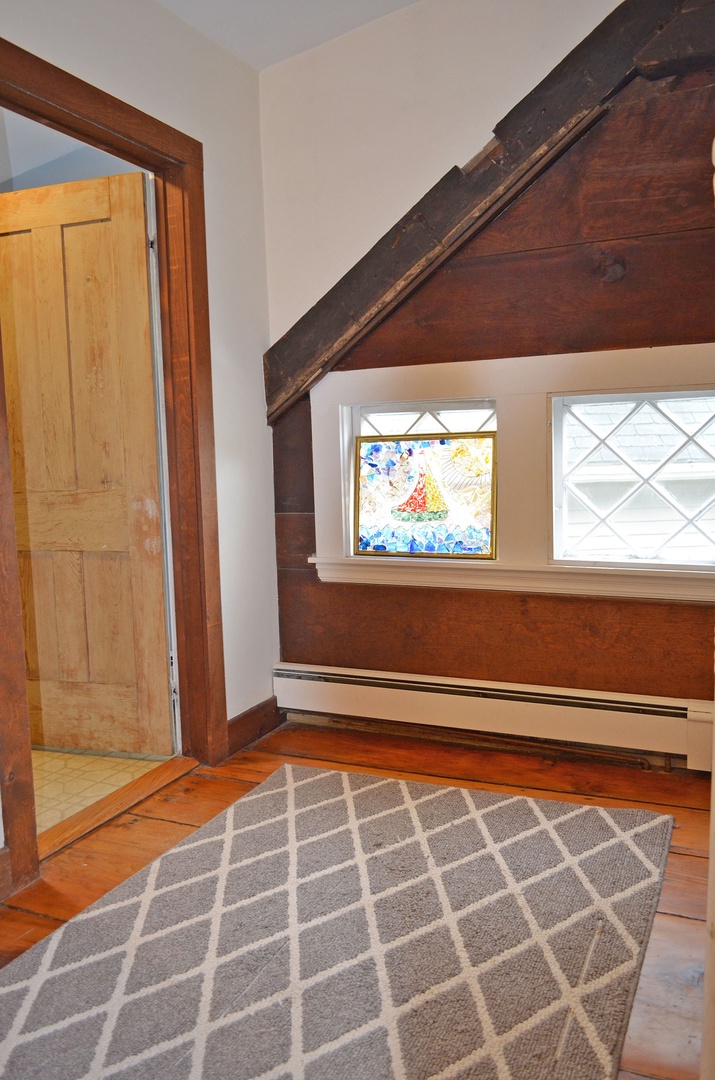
(691, 585)
(522, 387)
(666, 725)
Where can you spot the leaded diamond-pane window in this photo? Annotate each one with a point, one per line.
(634, 478)
(425, 480)
(411, 419)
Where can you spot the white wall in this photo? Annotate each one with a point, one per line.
(139, 52)
(355, 131)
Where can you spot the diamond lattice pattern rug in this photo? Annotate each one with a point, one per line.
(332, 926)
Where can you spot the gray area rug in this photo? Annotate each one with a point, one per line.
(331, 926)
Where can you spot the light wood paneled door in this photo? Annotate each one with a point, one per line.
(76, 339)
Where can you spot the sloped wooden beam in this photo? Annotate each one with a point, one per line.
(589, 75)
(541, 128)
(450, 213)
(685, 44)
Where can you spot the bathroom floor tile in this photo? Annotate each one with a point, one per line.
(67, 781)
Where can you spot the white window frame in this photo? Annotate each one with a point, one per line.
(558, 403)
(522, 387)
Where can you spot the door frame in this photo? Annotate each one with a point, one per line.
(18, 855)
(45, 93)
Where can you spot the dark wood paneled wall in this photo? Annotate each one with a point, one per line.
(614, 247)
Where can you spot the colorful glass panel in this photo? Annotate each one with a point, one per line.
(430, 496)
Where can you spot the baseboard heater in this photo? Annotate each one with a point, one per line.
(628, 721)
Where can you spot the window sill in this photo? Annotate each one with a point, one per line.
(651, 584)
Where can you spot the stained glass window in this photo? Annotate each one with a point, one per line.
(429, 494)
(634, 478)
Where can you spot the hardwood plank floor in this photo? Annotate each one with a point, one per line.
(663, 1041)
(193, 800)
(74, 878)
(664, 1035)
(690, 831)
(685, 887)
(21, 929)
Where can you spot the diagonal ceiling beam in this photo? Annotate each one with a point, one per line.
(528, 140)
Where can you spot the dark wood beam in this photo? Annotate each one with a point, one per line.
(533, 135)
(685, 44)
(460, 205)
(588, 76)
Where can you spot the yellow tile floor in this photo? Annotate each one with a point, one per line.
(67, 781)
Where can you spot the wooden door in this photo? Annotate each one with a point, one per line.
(76, 341)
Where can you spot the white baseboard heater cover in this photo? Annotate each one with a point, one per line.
(664, 725)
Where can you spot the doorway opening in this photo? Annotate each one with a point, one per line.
(43, 92)
(81, 341)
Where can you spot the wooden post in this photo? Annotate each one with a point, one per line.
(18, 858)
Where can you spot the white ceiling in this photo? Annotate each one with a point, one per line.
(264, 32)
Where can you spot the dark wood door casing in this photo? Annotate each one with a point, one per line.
(18, 855)
(45, 93)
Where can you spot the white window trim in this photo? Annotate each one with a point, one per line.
(523, 387)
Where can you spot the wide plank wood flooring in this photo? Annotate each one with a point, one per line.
(664, 1036)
